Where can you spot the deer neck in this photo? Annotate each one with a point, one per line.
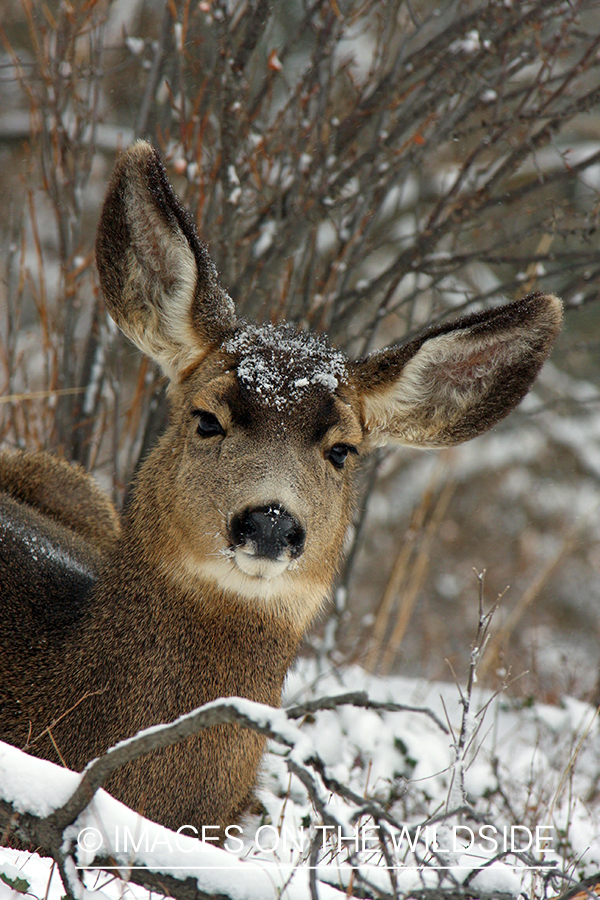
(199, 641)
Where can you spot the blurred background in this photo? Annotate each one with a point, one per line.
(361, 168)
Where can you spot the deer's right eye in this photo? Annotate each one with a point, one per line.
(208, 424)
(338, 453)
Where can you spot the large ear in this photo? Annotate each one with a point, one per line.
(160, 285)
(455, 381)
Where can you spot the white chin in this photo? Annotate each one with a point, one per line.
(259, 567)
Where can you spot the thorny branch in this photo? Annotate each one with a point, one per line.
(471, 722)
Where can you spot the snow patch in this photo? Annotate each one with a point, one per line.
(280, 364)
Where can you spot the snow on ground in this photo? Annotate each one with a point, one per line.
(531, 775)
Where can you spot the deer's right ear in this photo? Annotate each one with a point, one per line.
(457, 380)
(159, 282)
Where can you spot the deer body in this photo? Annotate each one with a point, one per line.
(139, 649)
(231, 542)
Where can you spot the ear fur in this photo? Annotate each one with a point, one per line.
(457, 380)
(160, 285)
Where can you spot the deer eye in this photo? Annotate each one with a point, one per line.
(338, 453)
(208, 424)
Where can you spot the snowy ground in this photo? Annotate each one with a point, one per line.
(531, 777)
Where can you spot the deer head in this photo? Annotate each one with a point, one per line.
(250, 489)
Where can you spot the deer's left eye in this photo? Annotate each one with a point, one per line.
(208, 424)
(338, 454)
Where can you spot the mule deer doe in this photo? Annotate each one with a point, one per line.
(231, 541)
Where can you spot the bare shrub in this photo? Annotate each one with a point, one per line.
(358, 167)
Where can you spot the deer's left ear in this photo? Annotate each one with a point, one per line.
(455, 381)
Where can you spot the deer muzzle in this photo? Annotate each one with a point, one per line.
(266, 539)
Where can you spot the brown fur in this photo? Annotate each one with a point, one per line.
(62, 491)
(111, 629)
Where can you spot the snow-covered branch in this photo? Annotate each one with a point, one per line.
(372, 835)
(54, 828)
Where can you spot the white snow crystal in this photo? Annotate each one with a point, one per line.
(489, 96)
(135, 45)
(280, 364)
(469, 44)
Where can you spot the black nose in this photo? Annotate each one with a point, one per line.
(271, 529)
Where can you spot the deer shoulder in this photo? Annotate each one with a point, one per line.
(62, 492)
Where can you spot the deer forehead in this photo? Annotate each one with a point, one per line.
(279, 365)
(274, 377)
